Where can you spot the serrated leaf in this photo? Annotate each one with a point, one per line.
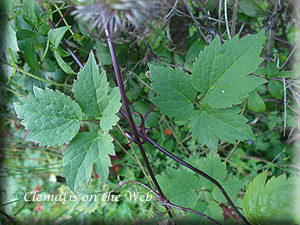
(56, 35)
(275, 202)
(85, 150)
(88, 201)
(209, 124)
(91, 92)
(109, 117)
(220, 71)
(255, 102)
(176, 94)
(214, 167)
(179, 185)
(232, 187)
(52, 117)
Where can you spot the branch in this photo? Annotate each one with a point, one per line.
(129, 116)
(201, 173)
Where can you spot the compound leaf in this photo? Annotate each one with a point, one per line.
(52, 117)
(84, 151)
(91, 92)
(180, 185)
(209, 124)
(176, 94)
(274, 202)
(220, 71)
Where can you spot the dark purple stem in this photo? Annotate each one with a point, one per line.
(129, 116)
(64, 42)
(200, 173)
(147, 113)
(193, 211)
(166, 202)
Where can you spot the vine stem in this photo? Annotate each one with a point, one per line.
(201, 173)
(149, 140)
(130, 119)
(166, 203)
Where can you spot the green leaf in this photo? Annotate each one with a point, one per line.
(24, 34)
(52, 117)
(109, 117)
(85, 150)
(214, 167)
(8, 39)
(9, 186)
(194, 51)
(220, 72)
(87, 202)
(103, 54)
(255, 102)
(232, 187)
(211, 209)
(209, 124)
(63, 65)
(276, 202)
(271, 69)
(5, 6)
(276, 88)
(294, 73)
(179, 185)
(30, 54)
(56, 35)
(91, 92)
(250, 7)
(30, 82)
(176, 94)
(30, 12)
